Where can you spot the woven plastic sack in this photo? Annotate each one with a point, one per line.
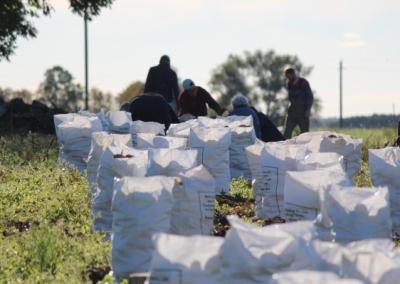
(171, 162)
(118, 161)
(100, 142)
(372, 261)
(193, 211)
(310, 277)
(148, 141)
(328, 256)
(351, 213)
(213, 145)
(384, 166)
(269, 163)
(139, 126)
(141, 207)
(243, 135)
(321, 161)
(189, 260)
(324, 142)
(252, 254)
(301, 191)
(182, 129)
(75, 135)
(119, 121)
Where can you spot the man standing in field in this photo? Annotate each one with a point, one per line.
(162, 80)
(301, 99)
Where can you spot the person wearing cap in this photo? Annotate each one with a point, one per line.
(193, 101)
(242, 107)
(162, 80)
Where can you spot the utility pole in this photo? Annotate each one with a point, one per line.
(86, 62)
(341, 94)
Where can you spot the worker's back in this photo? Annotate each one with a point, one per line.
(152, 107)
(162, 80)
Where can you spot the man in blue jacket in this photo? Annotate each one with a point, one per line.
(241, 107)
(301, 100)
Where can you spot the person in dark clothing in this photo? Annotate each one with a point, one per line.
(241, 107)
(162, 80)
(152, 107)
(269, 132)
(301, 100)
(398, 134)
(194, 100)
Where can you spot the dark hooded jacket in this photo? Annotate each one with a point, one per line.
(152, 107)
(162, 80)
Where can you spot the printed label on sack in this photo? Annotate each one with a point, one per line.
(270, 176)
(294, 212)
(206, 201)
(269, 192)
(166, 276)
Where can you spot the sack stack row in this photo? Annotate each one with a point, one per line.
(154, 193)
(285, 254)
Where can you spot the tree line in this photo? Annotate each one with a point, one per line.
(258, 74)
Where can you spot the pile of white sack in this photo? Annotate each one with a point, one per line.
(153, 194)
(287, 253)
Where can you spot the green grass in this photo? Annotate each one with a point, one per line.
(45, 224)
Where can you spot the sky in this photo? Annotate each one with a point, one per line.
(198, 35)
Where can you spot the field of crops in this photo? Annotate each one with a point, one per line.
(45, 224)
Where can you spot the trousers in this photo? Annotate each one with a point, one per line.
(292, 121)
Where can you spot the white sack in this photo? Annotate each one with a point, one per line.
(119, 121)
(301, 191)
(332, 142)
(243, 135)
(171, 162)
(189, 260)
(193, 211)
(351, 213)
(213, 145)
(100, 141)
(75, 135)
(206, 121)
(372, 261)
(148, 140)
(321, 161)
(60, 118)
(310, 277)
(118, 161)
(384, 166)
(182, 129)
(269, 163)
(252, 254)
(141, 208)
(328, 256)
(139, 126)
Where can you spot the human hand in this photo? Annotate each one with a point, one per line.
(307, 113)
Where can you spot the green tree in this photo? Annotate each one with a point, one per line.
(100, 99)
(260, 76)
(133, 90)
(8, 94)
(59, 89)
(17, 15)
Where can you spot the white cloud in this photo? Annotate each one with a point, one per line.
(352, 40)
